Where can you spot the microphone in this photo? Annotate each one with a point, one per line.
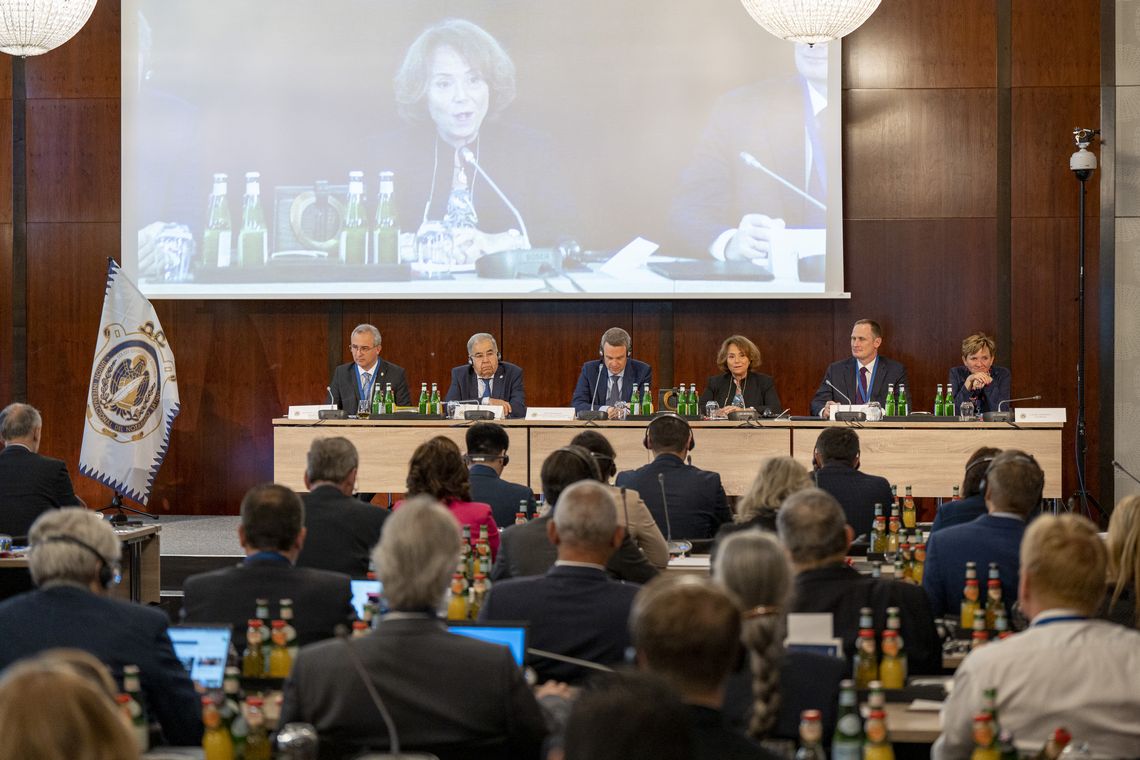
(567, 659)
(1123, 469)
(841, 393)
(752, 161)
(675, 547)
(329, 389)
(1023, 398)
(781, 414)
(469, 157)
(592, 413)
(1000, 416)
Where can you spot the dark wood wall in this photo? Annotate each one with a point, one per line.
(959, 215)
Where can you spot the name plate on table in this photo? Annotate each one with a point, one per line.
(1040, 414)
(495, 410)
(308, 411)
(550, 413)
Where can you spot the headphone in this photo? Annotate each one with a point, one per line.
(477, 458)
(586, 460)
(983, 484)
(110, 572)
(647, 441)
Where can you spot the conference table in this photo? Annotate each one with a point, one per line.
(928, 456)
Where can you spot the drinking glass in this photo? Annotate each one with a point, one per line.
(451, 407)
(966, 410)
(622, 409)
(712, 409)
(363, 409)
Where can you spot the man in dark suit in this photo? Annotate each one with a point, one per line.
(74, 560)
(835, 462)
(621, 375)
(1012, 490)
(972, 505)
(487, 444)
(575, 609)
(813, 528)
(30, 484)
(447, 694)
(526, 549)
(340, 531)
(861, 379)
(272, 532)
(488, 379)
(697, 506)
(355, 381)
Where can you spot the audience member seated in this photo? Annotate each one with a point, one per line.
(1066, 669)
(779, 478)
(770, 688)
(272, 533)
(30, 484)
(49, 711)
(74, 561)
(1012, 489)
(688, 631)
(340, 530)
(437, 470)
(813, 530)
(836, 470)
(487, 444)
(632, 512)
(576, 609)
(447, 694)
(972, 503)
(1123, 545)
(527, 549)
(696, 502)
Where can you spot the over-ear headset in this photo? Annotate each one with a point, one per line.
(602, 346)
(477, 458)
(588, 461)
(109, 570)
(647, 440)
(975, 463)
(983, 484)
(498, 356)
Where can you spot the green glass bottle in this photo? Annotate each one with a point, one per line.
(948, 406)
(903, 403)
(892, 402)
(386, 232)
(424, 398)
(354, 233)
(939, 402)
(635, 401)
(253, 242)
(377, 399)
(389, 400)
(847, 741)
(646, 400)
(219, 228)
(433, 401)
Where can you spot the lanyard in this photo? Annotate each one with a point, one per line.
(1059, 619)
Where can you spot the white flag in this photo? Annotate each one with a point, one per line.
(133, 396)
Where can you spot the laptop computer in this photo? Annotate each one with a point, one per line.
(203, 650)
(509, 634)
(361, 588)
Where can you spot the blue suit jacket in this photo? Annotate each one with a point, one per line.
(118, 633)
(857, 492)
(503, 496)
(842, 376)
(958, 512)
(697, 504)
(991, 395)
(576, 611)
(507, 385)
(985, 540)
(585, 397)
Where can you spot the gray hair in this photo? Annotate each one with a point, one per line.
(331, 459)
(586, 515)
(812, 526)
(370, 329)
(752, 565)
(417, 553)
(19, 421)
(479, 337)
(615, 336)
(54, 560)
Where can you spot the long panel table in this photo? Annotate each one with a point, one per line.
(928, 456)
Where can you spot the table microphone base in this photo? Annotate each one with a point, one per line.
(591, 414)
(997, 416)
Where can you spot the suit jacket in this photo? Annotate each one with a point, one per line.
(713, 739)
(585, 396)
(857, 492)
(342, 532)
(505, 498)
(30, 484)
(345, 384)
(960, 511)
(575, 611)
(116, 632)
(506, 384)
(984, 540)
(526, 550)
(447, 694)
(842, 376)
(808, 681)
(759, 392)
(842, 591)
(697, 504)
(321, 600)
(991, 395)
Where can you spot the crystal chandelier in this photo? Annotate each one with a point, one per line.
(32, 27)
(810, 21)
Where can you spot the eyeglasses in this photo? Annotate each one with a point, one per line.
(362, 349)
(484, 355)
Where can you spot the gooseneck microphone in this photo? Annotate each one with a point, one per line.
(752, 161)
(1000, 416)
(1023, 398)
(329, 389)
(674, 547)
(597, 382)
(469, 157)
(1124, 469)
(841, 393)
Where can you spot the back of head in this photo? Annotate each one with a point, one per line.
(779, 478)
(437, 470)
(271, 517)
(975, 471)
(487, 438)
(628, 716)
(838, 444)
(19, 421)
(331, 460)
(812, 527)
(686, 630)
(1123, 546)
(564, 466)
(1014, 482)
(1065, 562)
(586, 517)
(417, 554)
(668, 434)
(81, 663)
(70, 545)
(600, 449)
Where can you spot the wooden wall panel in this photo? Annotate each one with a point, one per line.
(87, 66)
(1055, 42)
(6, 151)
(73, 160)
(6, 326)
(1043, 121)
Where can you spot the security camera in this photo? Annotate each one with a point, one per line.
(1082, 163)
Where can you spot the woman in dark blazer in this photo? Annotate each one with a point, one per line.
(740, 387)
(977, 378)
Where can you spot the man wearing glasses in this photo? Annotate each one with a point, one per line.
(355, 380)
(487, 380)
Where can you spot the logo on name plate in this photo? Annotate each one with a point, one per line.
(126, 390)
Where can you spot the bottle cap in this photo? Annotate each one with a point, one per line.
(811, 715)
(255, 701)
(278, 624)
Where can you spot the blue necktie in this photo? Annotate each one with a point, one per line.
(484, 390)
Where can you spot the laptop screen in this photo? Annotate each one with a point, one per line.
(203, 650)
(510, 635)
(360, 591)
